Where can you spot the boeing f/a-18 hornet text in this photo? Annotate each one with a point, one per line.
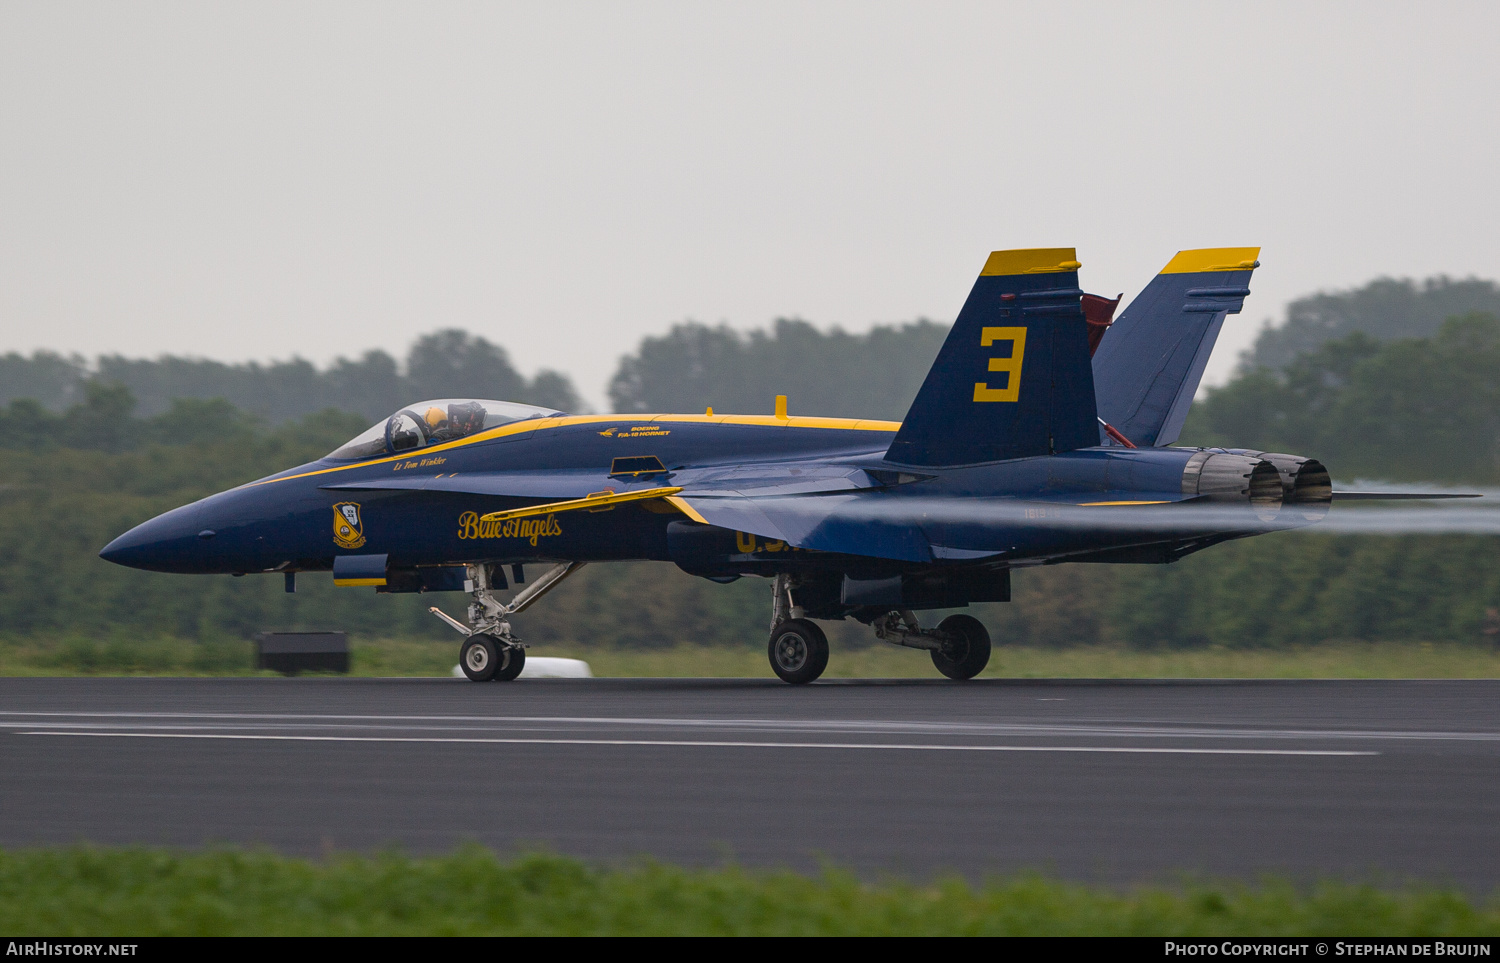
(1042, 434)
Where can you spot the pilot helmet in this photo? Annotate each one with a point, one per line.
(467, 417)
(435, 418)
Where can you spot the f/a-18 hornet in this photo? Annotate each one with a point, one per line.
(1042, 434)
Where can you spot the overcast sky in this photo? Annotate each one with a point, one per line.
(260, 180)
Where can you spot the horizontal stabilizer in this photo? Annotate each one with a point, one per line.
(1150, 361)
(1398, 496)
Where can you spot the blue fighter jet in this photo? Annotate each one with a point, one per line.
(1025, 446)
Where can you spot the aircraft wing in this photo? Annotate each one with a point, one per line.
(848, 523)
(883, 524)
(778, 479)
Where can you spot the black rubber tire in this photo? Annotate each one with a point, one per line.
(479, 658)
(512, 661)
(968, 650)
(798, 651)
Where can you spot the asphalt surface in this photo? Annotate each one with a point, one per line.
(1095, 781)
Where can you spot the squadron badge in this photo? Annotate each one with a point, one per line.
(347, 530)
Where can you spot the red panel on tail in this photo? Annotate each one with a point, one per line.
(1100, 314)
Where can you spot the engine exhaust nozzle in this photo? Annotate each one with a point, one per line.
(1224, 476)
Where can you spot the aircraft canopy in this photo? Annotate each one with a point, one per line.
(434, 422)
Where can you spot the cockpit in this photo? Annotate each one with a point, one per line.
(433, 423)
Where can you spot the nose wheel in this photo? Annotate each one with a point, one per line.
(512, 661)
(485, 658)
(490, 651)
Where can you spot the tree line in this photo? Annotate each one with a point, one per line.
(444, 364)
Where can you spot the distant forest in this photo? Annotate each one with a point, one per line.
(1385, 309)
(870, 375)
(1383, 388)
(444, 364)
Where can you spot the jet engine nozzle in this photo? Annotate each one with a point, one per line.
(1306, 488)
(1223, 476)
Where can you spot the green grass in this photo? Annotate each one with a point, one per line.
(1384, 660)
(83, 891)
(125, 655)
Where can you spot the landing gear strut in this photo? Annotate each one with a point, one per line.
(798, 649)
(959, 646)
(490, 651)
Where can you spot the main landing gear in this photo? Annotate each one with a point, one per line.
(490, 652)
(798, 650)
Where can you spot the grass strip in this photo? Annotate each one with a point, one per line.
(128, 655)
(87, 891)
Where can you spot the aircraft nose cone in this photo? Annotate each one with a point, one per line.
(167, 543)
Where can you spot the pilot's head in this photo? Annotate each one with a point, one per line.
(435, 418)
(466, 417)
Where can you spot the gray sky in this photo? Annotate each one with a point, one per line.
(266, 179)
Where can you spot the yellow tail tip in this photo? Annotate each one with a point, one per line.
(1031, 260)
(1214, 259)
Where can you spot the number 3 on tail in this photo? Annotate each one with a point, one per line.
(1011, 366)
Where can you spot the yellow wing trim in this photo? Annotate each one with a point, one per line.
(1031, 260)
(682, 505)
(359, 581)
(1214, 259)
(1104, 504)
(594, 502)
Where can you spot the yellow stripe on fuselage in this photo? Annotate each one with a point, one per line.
(544, 424)
(1108, 504)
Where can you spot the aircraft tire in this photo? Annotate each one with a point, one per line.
(968, 653)
(512, 661)
(798, 651)
(479, 658)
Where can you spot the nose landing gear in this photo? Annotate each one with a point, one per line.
(490, 651)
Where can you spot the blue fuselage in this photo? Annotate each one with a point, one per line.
(291, 521)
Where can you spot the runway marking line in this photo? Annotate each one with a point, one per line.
(1156, 750)
(824, 725)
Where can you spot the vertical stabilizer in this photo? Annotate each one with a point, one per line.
(1013, 378)
(1150, 361)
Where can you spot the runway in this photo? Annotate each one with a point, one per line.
(1109, 781)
